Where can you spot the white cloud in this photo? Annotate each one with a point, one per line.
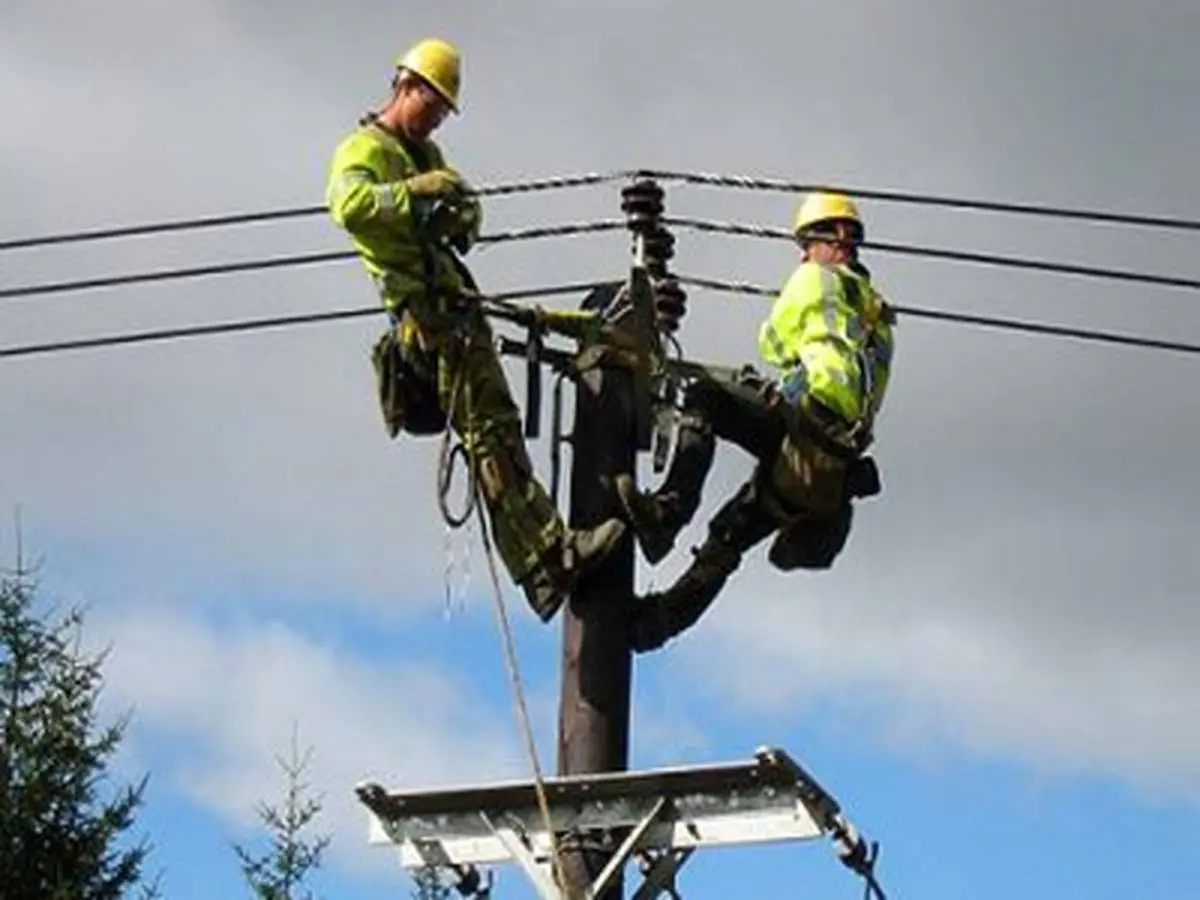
(965, 654)
(225, 699)
(261, 460)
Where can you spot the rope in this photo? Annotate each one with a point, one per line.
(446, 457)
(741, 287)
(510, 656)
(762, 231)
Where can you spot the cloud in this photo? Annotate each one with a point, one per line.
(224, 700)
(965, 653)
(1038, 493)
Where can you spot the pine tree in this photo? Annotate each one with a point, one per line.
(280, 873)
(63, 826)
(427, 884)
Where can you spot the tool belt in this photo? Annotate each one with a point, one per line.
(406, 378)
(820, 465)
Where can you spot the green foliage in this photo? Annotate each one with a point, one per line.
(281, 872)
(427, 885)
(62, 824)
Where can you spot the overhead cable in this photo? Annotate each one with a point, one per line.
(250, 265)
(738, 287)
(579, 288)
(293, 212)
(283, 262)
(601, 225)
(990, 259)
(1032, 209)
(594, 178)
(259, 324)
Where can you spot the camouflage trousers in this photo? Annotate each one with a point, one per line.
(472, 388)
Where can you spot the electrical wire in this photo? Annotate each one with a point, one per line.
(259, 324)
(244, 325)
(923, 199)
(990, 259)
(251, 265)
(594, 178)
(601, 225)
(1019, 325)
(558, 230)
(295, 212)
(282, 262)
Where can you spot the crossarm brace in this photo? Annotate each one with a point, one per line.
(541, 871)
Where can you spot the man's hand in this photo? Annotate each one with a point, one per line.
(464, 232)
(435, 183)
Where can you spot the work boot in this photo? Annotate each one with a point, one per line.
(655, 518)
(547, 586)
(660, 616)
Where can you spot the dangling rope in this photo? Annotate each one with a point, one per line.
(446, 457)
(475, 504)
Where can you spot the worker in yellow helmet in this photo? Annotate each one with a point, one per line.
(829, 335)
(409, 214)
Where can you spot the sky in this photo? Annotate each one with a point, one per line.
(997, 678)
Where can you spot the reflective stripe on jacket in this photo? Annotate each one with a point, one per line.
(367, 196)
(830, 334)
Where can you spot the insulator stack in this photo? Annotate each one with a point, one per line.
(642, 203)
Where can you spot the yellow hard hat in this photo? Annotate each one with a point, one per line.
(437, 62)
(820, 207)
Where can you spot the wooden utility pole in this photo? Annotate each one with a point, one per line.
(612, 423)
(593, 721)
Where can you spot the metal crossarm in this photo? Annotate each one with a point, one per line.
(661, 815)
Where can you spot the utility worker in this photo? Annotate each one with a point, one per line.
(829, 334)
(406, 211)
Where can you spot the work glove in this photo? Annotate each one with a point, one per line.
(466, 230)
(434, 183)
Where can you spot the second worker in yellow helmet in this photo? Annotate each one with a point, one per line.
(407, 211)
(829, 335)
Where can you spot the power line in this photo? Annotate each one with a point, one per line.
(193, 224)
(1020, 325)
(164, 334)
(283, 262)
(259, 324)
(595, 178)
(991, 259)
(601, 225)
(1030, 209)
(277, 262)
(245, 325)
(294, 212)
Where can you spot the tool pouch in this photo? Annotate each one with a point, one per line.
(862, 478)
(406, 381)
(805, 477)
(811, 542)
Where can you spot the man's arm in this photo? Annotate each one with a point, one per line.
(783, 328)
(357, 196)
(468, 224)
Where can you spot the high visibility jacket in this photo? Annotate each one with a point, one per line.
(829, 332)
(367, 196)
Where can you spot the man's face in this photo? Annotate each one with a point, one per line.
(827, 252)
(422, 109)
(831, 250)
